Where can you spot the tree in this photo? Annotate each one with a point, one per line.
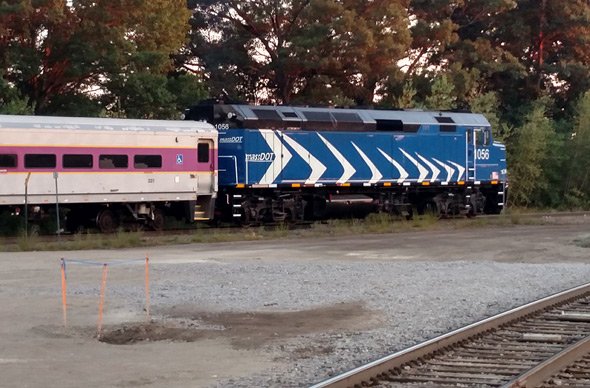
(527, 151)
(442, 95)
(577, 182)
(299, 48)
(56, 48)
(550, 41)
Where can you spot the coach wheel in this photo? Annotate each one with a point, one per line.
(158, 220)
(106, 221)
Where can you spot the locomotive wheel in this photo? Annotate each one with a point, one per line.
(429, 209)
(246, 218)
(106, 221)
(157, 223)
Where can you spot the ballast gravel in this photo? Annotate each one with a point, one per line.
(415, 301)
(383, 293)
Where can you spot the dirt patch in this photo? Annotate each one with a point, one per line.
(131, 334)
(246, 330)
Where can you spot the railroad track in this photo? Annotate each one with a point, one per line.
(545, 343)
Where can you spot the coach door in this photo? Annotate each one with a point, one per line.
(205, 167)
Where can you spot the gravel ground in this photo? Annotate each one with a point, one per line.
(320, 307)
(415, 301)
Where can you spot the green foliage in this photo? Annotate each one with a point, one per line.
(487, 104)
(577, 183)
(406, 99)
(527, 152)
(155, 96)
(144, 95)
(50, 50)
(325, 49)
(442, 95)
(187, 90)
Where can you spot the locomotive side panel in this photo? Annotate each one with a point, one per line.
(265, 158)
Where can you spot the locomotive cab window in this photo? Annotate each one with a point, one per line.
(203, 152)
(481, 137)
(77, 161)
(487, 137)
(147, 161)
(8, 160)
(40, 161)
(113, 161)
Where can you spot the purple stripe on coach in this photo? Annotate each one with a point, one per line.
(173, 159)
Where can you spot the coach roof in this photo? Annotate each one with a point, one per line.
(102, 124)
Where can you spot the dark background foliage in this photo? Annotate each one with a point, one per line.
(523, 63)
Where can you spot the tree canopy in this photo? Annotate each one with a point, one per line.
(523, 63)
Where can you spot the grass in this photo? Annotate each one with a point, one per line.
(373, 224)
(583, 242)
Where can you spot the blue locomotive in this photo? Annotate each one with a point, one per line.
(299, 163)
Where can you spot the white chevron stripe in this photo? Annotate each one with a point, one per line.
(277, 165)
(435, 170)
(317, 168)
(423, 171)
(348, 169)
(450, 170)
(403, 174)
(374, 170)
(460, 168)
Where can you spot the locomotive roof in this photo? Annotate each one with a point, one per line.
(331, 119)
(102, 124)
(366, 115)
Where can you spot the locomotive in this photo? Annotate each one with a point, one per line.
(250, 164)
(281, 163)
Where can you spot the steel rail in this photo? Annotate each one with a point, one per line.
(551, 366)
(372, 370)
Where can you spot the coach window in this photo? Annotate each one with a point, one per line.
(203, 153)
(8, 160)
(40, 161)
(113, 161)
(77, 161)
(147, 161)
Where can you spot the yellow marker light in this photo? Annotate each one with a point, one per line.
(345, 184)
(425, 183)
(461, 183)
(387, 184)
(296, 185)
(240, 186)
(494, 182)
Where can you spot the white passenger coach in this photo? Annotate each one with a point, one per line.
(108, 171)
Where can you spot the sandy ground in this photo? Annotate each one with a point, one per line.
(36, 350)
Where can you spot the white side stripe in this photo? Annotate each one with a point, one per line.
(317, 168)
(450, 170)
(376, 174)
(276, 166)
(460, 168)
(435, 170)
(348, 169)
(403, 174)
(423, 171)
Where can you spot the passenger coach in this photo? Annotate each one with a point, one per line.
(108, 171)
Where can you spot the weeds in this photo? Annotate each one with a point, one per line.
(372, 224)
